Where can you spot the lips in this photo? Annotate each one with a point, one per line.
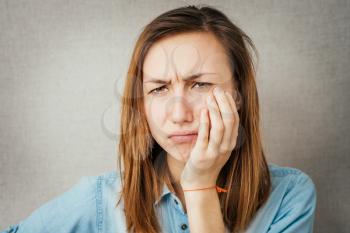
(184, 136)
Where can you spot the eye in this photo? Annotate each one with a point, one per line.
(156, 90)
(202, 84)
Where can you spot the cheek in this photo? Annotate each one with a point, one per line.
(155, 112)
(199, 101)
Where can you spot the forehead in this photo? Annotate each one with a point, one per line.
(185, 54)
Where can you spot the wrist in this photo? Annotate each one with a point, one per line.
(216, 187)
(192, 186)
(197, 185)
(200, 197)
(198, 182)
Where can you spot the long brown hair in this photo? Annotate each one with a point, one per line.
(245, 175)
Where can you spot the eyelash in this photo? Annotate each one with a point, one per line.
(159, 88)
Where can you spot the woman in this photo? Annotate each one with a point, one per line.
(190, 151)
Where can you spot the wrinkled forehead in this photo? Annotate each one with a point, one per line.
(185, 54)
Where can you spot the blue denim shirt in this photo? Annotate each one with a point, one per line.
(89, 207)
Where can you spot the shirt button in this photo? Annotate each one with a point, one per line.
(176, 201)
(184, 226)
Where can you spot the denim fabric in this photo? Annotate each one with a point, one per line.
(89, 207)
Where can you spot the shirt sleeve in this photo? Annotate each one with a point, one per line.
(297, 210)
(72, 211)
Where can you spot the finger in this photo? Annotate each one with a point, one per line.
(228, 119)
(236, 117)
(217, 129)
(203, 132)
(233, 104)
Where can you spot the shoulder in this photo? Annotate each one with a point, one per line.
(79, 208)
(291, 204)
(289, 179)
(109, 180)
(87, 191)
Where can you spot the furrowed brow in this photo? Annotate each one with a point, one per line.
(188, 78)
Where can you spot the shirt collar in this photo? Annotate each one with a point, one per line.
(165, 192)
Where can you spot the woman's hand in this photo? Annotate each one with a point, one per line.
(216, 139)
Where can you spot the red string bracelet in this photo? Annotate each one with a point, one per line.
(218, 189)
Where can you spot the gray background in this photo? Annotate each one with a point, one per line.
(62, 70)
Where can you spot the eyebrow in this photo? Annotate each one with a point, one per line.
(188, 78)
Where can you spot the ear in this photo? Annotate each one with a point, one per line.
(238, 99)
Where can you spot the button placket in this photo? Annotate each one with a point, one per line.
(178, 205)
(184, 226)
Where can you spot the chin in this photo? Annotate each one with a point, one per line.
(179, 151)
(181, 154)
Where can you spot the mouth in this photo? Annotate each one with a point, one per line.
(184, 137)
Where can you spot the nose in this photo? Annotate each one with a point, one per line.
(180, 110)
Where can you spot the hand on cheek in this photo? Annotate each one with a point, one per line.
(217, 136)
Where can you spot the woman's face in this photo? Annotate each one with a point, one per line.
(173, 96)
